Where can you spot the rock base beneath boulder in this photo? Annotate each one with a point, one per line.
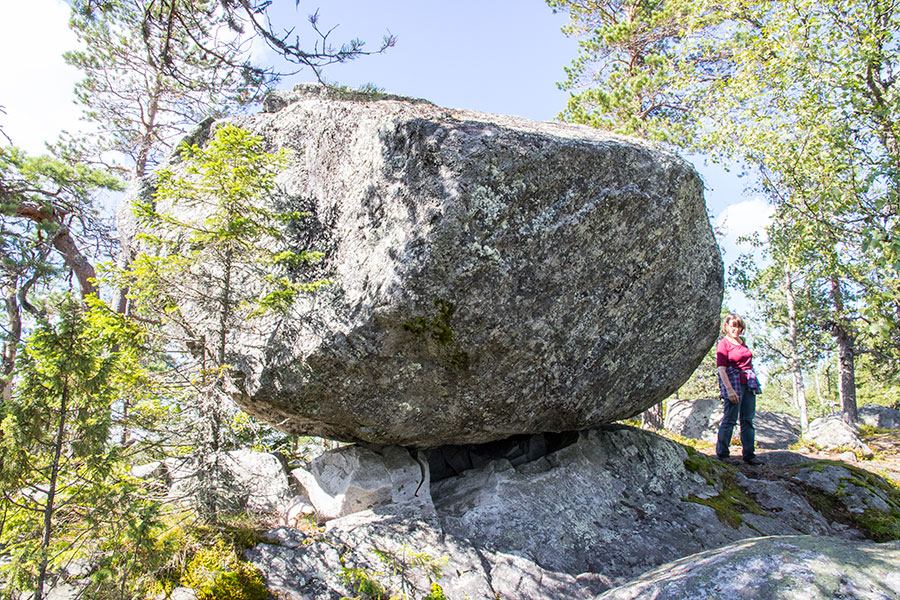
(596, 513)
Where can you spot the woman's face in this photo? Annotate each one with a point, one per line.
(734, 330)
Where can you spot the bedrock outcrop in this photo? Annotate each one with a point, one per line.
(607, 506)
(491, 275)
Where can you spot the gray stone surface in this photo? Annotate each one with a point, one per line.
(699, 419)
(404, 551)
(594, 514)
(775, 568)
(883, 417)
(491, 275)
(613, 503)
(856, 493)
(831, 432)
(353, 479)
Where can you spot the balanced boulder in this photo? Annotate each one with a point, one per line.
(490, 275)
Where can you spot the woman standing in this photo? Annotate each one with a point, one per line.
(739, 387)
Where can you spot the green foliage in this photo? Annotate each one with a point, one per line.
(209, 237)
(222, 182)
(66, 488)
(47, 219)
(206, 559)
(636, 64)
(803, 92)
(401, 565)
(364, 582)
(437, 593)
(818, 116)
(153, 70)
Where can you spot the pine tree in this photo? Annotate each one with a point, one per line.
(207, 253)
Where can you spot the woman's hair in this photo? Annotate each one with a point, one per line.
(733, 319)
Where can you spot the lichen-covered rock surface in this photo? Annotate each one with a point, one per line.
(491, 275)
(775, 568)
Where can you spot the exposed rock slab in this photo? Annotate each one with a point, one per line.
(595, 513)
(616, 503)
(775, 568)
(492, 276)
(403, 551)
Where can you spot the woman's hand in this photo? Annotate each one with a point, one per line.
(733, 396)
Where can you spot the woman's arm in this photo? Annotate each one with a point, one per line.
(732, 394)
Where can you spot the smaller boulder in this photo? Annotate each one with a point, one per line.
(697, 419)
(776, 430)
(353, 479)
(831, 432)
(248, 480)
(883, 417)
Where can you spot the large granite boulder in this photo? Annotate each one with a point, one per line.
(491, 275)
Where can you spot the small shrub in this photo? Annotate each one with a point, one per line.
(437, 593)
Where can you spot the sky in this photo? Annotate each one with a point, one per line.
(497, 56)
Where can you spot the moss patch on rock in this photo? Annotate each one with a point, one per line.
(875, 523)
(731, 501)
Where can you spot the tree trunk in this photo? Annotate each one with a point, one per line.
(652, 418)
(76, 261)
(844, 341)
(11, 343)
(47, 532)
(796, 372)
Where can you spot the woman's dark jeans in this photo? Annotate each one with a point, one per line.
(745, 410)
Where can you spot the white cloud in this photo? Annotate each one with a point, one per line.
(35, 82)
(745, 218)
